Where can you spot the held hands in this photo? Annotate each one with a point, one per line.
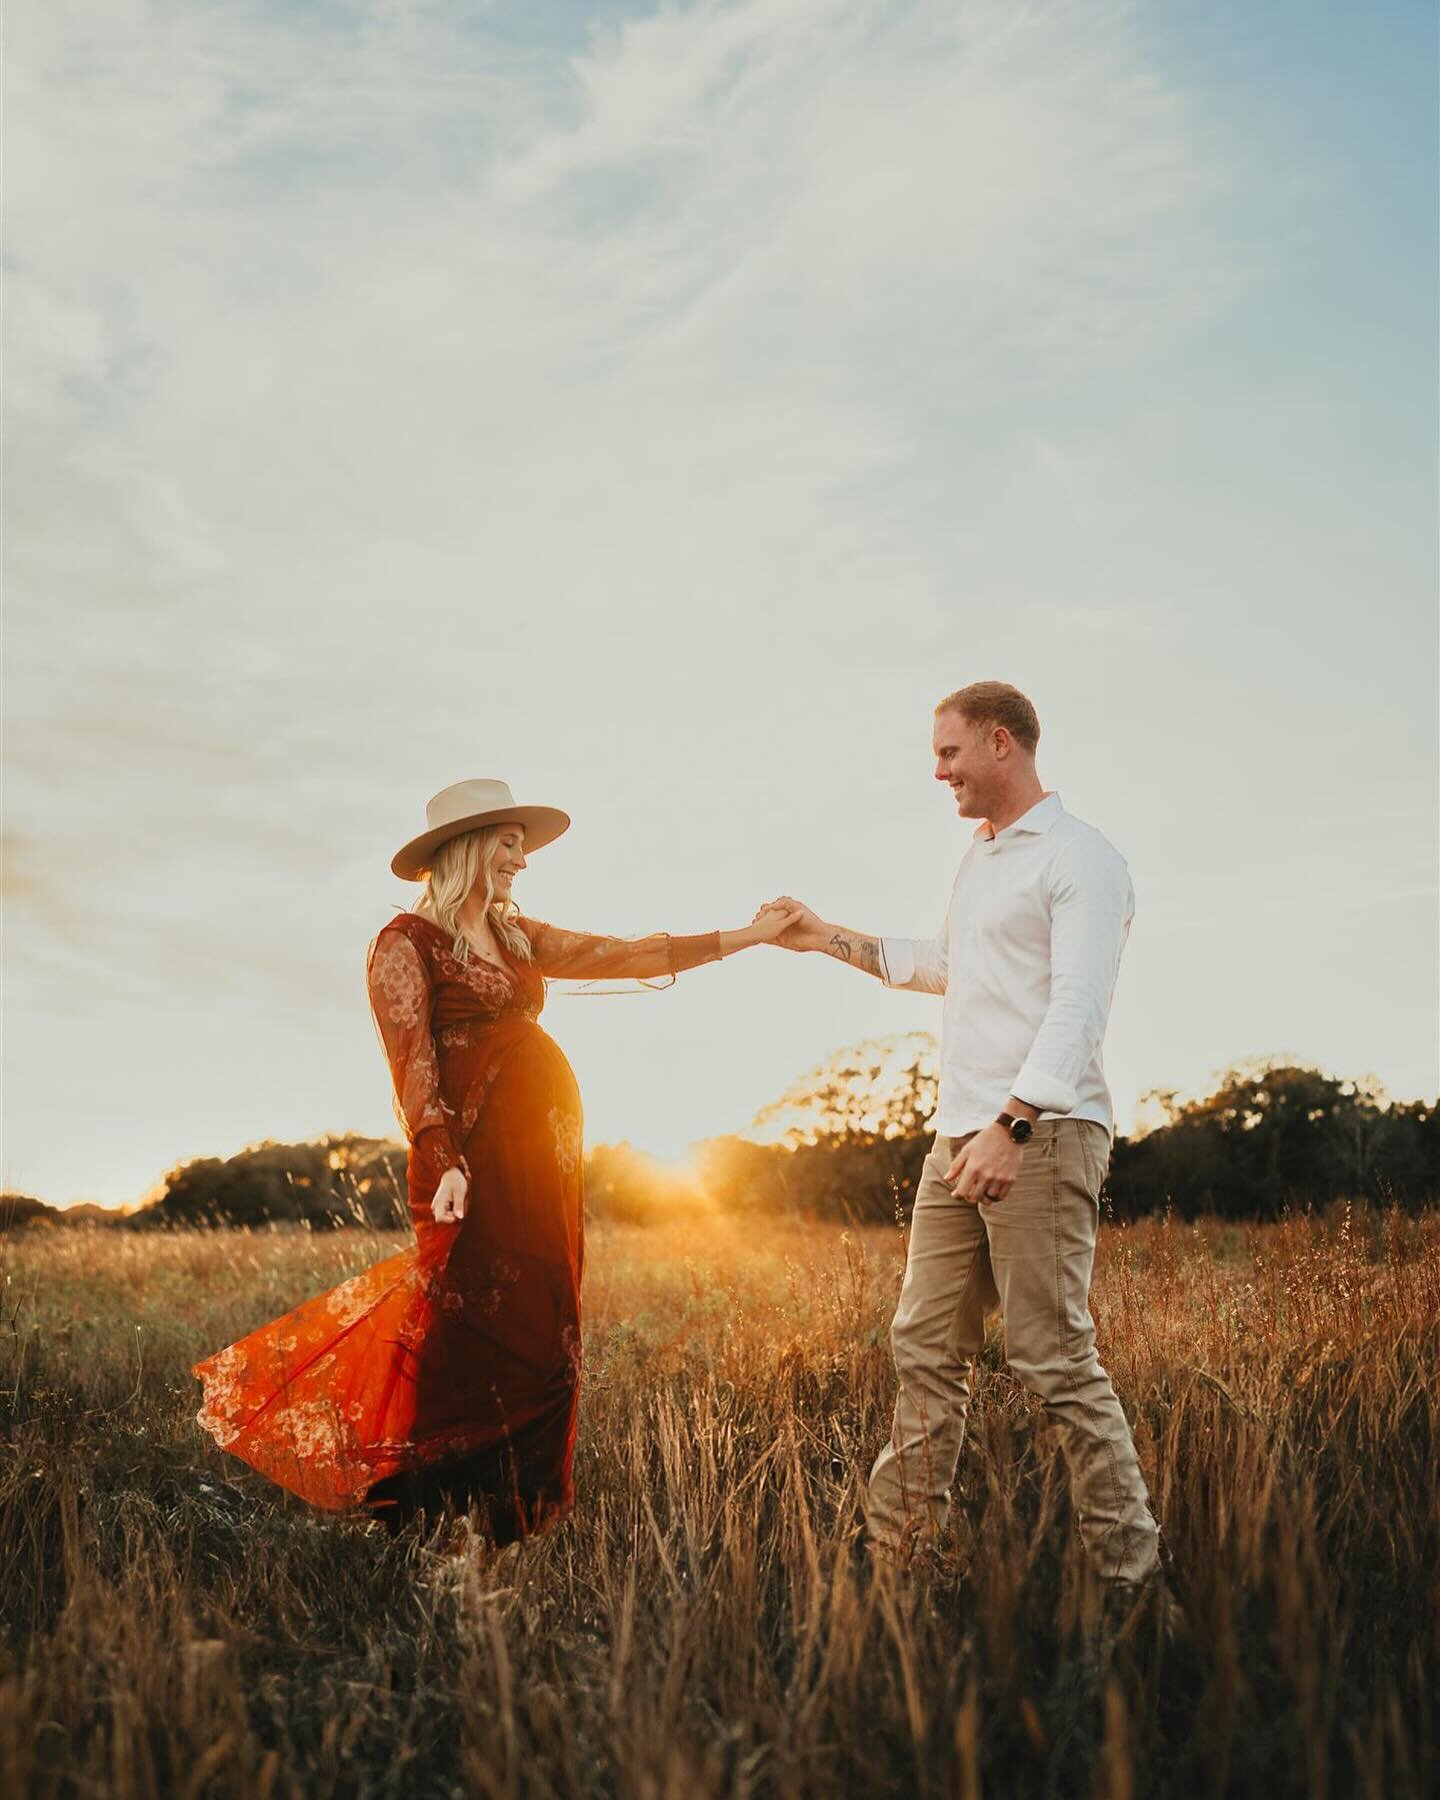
(448, 1206)
(986, 1167)
(799, 928)
(771, 923)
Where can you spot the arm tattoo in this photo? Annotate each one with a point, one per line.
(862, 952)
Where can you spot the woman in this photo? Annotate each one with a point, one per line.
(452, 1371)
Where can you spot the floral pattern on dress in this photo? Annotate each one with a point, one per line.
(348, 1302)
(224, 1402)
(397, 980)
(402, 999)
(565, 1128)
(313, 1430)
(493, 987)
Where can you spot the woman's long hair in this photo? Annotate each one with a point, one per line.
(454, 870)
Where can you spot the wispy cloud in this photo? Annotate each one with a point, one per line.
(649, 380)
(321, 322)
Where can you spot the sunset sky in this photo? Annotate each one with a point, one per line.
(659, 410)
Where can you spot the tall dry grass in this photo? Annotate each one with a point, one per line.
(172, 1625)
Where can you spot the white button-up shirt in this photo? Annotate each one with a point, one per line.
(1027, 960)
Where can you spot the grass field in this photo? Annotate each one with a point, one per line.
(705, 1625)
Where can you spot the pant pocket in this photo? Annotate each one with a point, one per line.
(1095, 1148)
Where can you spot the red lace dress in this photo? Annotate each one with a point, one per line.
(452, 1368)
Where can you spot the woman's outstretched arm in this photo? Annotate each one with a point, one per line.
(582, 956)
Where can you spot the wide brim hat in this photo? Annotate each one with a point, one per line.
(467, 806)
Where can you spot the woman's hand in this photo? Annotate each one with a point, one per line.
(448, 1206)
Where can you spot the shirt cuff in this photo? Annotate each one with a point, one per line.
(897, 962)
(690, 952)
(1044, 1091)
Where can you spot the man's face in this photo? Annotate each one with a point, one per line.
(964, 760)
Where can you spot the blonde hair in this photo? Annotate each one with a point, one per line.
(454, 870)
(996, 703)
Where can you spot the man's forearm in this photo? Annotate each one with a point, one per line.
(855, 948)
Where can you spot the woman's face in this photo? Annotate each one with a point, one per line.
(507, 859)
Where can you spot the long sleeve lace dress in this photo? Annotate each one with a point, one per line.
(453, 1368)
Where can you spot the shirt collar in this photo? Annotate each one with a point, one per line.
(1041, 816)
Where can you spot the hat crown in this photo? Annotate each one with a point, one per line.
(471, 806)
(465, 798)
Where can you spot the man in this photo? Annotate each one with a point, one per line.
(1008, 1201)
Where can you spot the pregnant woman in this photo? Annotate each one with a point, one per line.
(452, 1371)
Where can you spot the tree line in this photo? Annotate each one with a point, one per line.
(847, 1142)
(1272, 1135)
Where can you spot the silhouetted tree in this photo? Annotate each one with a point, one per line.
(882, 1088)
(333, 1182)
(855, 1132)
(20, 1211)
(1272, 1135)
(1275, 1134)
(17, 1211)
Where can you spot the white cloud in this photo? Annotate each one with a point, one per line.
(380, 319)
(392, 398)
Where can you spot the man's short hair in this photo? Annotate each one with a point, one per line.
(995, 703)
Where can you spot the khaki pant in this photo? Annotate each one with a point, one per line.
(1032, 1252)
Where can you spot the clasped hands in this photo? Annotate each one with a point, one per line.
(802, 928)
(773, 924)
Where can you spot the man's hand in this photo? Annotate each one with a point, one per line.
(985, 1168)
(767, 927)
(806, 930)
(448, 1206)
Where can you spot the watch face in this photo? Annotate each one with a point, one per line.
(1021, 1131)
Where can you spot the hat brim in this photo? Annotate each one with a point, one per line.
(543, 824)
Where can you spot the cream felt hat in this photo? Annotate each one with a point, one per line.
(466, 807)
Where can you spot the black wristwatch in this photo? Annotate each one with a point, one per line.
(1021, 1130)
